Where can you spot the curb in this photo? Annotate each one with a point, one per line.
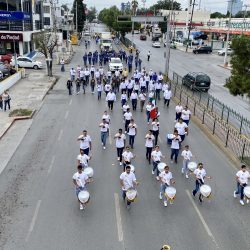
(51, 86)
(222, 66)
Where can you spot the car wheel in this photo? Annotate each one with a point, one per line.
(223, 54)
(196, 52)
(206, 90)
(209, 52)
(35, 67)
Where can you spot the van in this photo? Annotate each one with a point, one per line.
(197, 81)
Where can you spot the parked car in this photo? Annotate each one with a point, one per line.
(6, 58)
(197, 81)
(5, 69)
(223, 51)
(115, 63)
(136, 32)
(26, 62)
(143, 37)
(156, 44)
(172, 45)
(1, 75)
(203, 50)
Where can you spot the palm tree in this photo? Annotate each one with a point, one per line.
(134, 5)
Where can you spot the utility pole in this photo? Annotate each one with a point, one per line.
(228, 33)
(76, 18)
(244, 18)
(190, 25)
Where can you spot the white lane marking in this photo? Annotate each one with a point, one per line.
(70, 102)
(110, 137)
(60, 135)
(51, 164)
(118, 217)
(33, 221)
(202, 219)
(66, 115)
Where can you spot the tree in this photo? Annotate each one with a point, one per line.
(65, 7)
(134, 6)
(46, 43)
(241, 14)
(165, 5)
(81, 17)
(91, 14)
(239, 81)
(217, 15)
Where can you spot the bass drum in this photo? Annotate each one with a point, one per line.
(192, 166)
(84, 196)
(89, 171)
(161, 166)
(247, 192)
(205, 190)
(170, 193)
(132, 168)
(131, 194)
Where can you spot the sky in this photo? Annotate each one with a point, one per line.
(210, 5)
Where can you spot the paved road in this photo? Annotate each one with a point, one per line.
(182, 63)
(38, 208)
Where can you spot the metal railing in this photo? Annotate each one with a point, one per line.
(230, 128)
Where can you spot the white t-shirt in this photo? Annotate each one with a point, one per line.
(149, 141)
(124, 97)
(158, 85)
(123, 85)
(125, 107)
(99, 87)
(142, 97)
(134, 96)
(156, 155)
(200, 173)
(127, 156)
(178, 109)
(130, 85)
(167, 94)
(176, 143)
(119, 143)
(97, 74)
(106, 117)
(181, 127)
(149, 107)
(86, 72)
(186, 154)
(107, 87)
(166, 177)
(80, 179)
(243, 176)
(155, 126)
(185, 114)
(111, 96)
(85, 141)
(128, 116)
(128, 180)
(83, 159)
(104, 127)
(132, 128)
(136, 86)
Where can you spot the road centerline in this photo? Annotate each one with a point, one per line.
(66, 115)
(60, 135)
(51, 164)
(118, 217)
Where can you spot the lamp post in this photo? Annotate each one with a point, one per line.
(190, 25)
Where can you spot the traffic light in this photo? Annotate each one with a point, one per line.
(124, 19)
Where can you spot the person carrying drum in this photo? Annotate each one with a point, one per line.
(166, 179)
(80, 179)
(127, 181)
(83, 159)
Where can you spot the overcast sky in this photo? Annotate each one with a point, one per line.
(211, 5)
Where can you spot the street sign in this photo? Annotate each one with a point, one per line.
(142, 19)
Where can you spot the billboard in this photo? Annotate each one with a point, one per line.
(14, 15)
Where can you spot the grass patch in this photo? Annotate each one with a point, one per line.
(20, 112)
(246, 160)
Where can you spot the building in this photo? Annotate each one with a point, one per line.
(236, 7)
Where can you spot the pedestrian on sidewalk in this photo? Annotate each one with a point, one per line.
(104, 132)
(92, 85)
(62, 65)
(6, 99)
(120, 144)
(178, 110)
(182, 129)
(99, 88)
(148, 55)
(69, 86)
(127, 117)
(78, 85)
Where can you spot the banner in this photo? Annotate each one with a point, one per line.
(10, 37)
(14, 15)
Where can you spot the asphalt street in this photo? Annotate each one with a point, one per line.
(183, 63)
(39, 210)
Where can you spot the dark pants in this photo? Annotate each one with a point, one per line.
(86, 151)
(6, 103)
(132, 140)
(123, 101)
(148, 58)
(158, 94)
(119, 153)
(148, 154)
(134, 104)
(166, 101)
(62, 68)
(240, 190)
(155, 164)
(70, 91)
(156, 134)
(110, 104)
(148, 115)
(198, 183)
(177, 116)
(182, 137)
(126, 124)
(124, 196)
(99, 95)
(129, 92)
(174, 153)
(186, 121)
(142, 104)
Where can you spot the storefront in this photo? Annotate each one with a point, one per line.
(10, 43)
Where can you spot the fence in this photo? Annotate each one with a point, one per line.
(217, 118)
(127, 42)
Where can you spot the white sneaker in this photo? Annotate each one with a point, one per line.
(160, 196)
(102, 143)
(120, 163)
(157, 178)
(81, 206)
(242, 202)
(104, 147)
(153, 172)
(187, 176)
(172, 161)
(182, 170)
(235, 195)
(125, 132)
(118, 158)
(165, 204)
(247, 201)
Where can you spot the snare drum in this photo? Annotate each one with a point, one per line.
(84, 196)
(170, 193)
(131, 194)
(192, 166)
(247, 192)
(132, 168)
(205, 190)
(89, 171)
(161, 166)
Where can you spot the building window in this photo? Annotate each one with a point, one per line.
(46, 21)
(46, 9)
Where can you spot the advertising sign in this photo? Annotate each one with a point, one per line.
(10, 37)
(14, 15)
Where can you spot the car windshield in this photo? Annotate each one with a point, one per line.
(115, 60)
(106, 41)
(202, 78)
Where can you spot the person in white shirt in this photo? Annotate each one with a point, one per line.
(166, 179)
(72, 74)
(156, 157)
(97, 75)
(99, 88)
(151, 86)
(125, 107)
(130, 87)
(186, 115)
(127, 181)
(142, 84)
(175, 146)
(127, 156)
(136, 87)
(127, 117)
(80, 179)
(132, 131)
(158, 87)
(147, 79)
(200, 175)
(182, 129)
(107, 88)
(101, 70)
(85, 142)
(242, 177)
(92, 71)
(109, 74)
(149, 145)
(148, 55)
(160, 77)
(83, 159)
(87, 74)
(117, 73)
(104, 128)
(106, 116)
(123, 86)
(187, 155)
(124, 97)
(133, 98)
(178, 110)
(110, 98)
(142, 98)
(156, 129)
(165, 87)
(150, 73)
(167, 96)
(120, 144)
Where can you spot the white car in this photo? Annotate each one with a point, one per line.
(115, 63)
(156, 44)
(26, 62)
(223, 51)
